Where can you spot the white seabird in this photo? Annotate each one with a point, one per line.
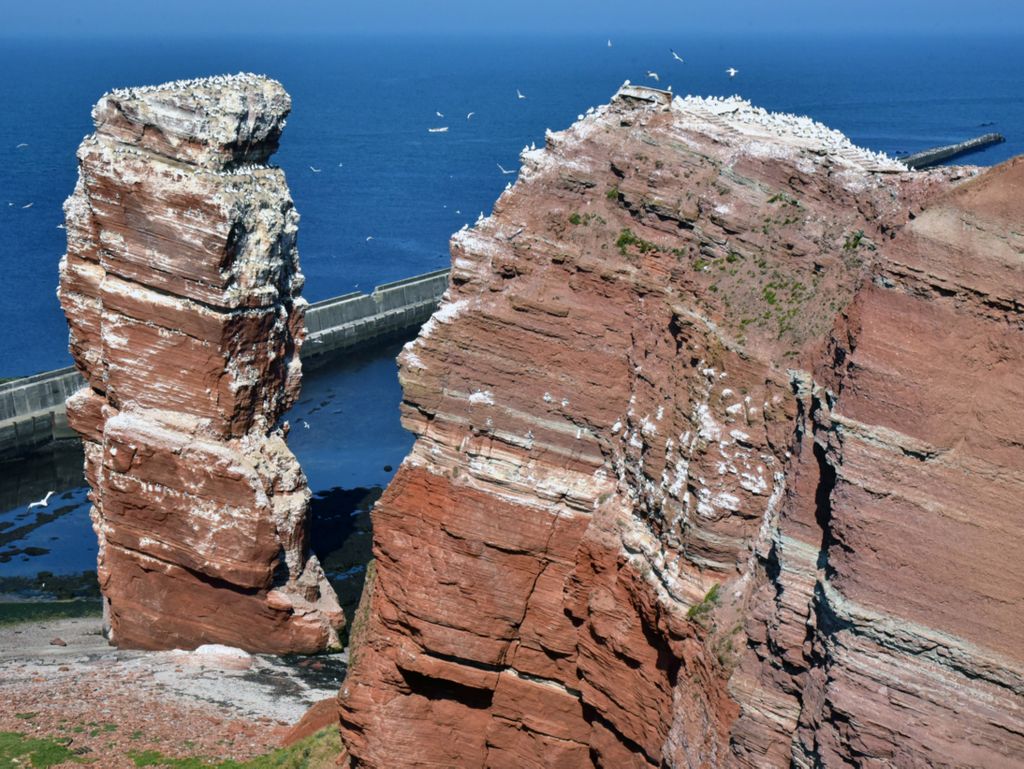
(676, 56)
(732, 72)
(654, 75)
(520, 94)
(42, 502)
(314, 170)
(502, 169)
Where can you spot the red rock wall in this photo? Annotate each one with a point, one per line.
(695, 482)
(181, 288)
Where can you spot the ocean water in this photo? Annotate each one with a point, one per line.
(361, 110)
(362, 107)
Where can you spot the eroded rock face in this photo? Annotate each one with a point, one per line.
(181, 288)
(719, 463)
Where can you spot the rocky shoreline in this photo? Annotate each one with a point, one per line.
(61, 680)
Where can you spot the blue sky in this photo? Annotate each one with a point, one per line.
(94, 18)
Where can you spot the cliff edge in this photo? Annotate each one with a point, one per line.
(181, 288)
(718, 463)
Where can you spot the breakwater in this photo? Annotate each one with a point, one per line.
(32, 408)
(937, 155)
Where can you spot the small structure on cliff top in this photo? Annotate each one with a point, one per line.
(181, 289)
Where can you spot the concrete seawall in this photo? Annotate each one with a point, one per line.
(358, 319)
(936, 155)
(32, 408)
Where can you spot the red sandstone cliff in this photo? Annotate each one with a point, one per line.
(181, 288)
(719, 463)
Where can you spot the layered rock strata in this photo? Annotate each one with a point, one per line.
(719, 463)
(181, 289)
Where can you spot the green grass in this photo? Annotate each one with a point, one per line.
(853, 240)
(627, 238)
(318, 751)
(784, 198)
(16, 612)
(699, 610)
(586, 219)
(40, 752)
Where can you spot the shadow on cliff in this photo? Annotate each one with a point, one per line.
(341, 537)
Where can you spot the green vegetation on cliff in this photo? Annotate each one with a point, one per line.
(318, 751)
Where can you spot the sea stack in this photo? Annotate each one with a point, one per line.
(181, 289)
(718, 463)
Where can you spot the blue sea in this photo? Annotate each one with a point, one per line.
(361, 110)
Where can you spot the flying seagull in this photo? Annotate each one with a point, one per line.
(676, 56)
(27, 205)
(654, 75)
(42, 502)
(469, 115)
(369, 238)
(439, 114)
(609, 42)
(732, 72)
(314, 170)
(520, 94)
(502, 169)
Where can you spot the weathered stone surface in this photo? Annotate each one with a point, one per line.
(719, 463)
(181, 288)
